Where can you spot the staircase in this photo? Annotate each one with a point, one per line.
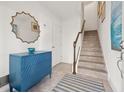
(91, 75)
(91, 61)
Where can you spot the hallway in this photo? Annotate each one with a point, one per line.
(76, 43)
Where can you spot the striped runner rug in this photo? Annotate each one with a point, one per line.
(77, 83)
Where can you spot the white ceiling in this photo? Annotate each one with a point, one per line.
(63, 9)
(87, 2)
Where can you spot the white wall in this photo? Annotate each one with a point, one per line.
(9, 43)
(90, 15)
(110, 55)
(82, 12)
(71, 27)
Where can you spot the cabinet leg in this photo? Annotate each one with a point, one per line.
(11, 89)
(50, 75)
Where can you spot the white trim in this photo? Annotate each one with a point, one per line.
(112, 85)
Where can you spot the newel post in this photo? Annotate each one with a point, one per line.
(74, 63)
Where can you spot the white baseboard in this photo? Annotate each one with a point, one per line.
(66, 62)
(112, 85)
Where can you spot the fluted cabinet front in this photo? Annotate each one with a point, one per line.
(26, 69)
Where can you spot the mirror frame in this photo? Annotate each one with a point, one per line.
(18, 13)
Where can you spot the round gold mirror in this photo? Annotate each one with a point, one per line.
(25, 27)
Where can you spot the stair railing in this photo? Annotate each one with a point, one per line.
(74, 45)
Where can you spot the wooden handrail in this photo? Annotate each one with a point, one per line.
(79, 32)
(74, 45)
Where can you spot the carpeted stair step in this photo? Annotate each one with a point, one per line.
(91, 49)
(90, 53)
(88, 41)
(93, 62)
(90, 66)
(90, 58)
(91, 45)
(92, 73)
(91, 32)
(96, 44)
(90, 36)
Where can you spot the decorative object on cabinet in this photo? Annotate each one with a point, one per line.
(31, 50)
(26, 70)
(116, 25)
(25, 27)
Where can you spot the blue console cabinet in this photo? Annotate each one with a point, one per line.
(26, 69)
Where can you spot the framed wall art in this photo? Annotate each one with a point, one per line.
(116, 25)
(101, 10)
(103, 5)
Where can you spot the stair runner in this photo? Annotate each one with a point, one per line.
(91, 61)
(77, 83)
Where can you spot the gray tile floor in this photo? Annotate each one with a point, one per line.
(47, 84)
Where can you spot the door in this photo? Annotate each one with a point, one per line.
(56, 44)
